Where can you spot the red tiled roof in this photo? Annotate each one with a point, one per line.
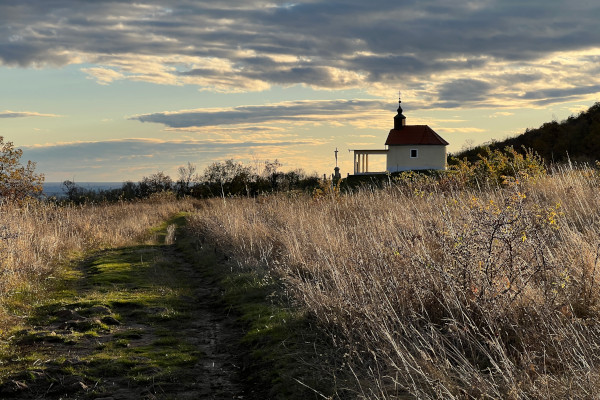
(414, 135)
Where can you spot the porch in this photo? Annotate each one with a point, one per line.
(361, 161)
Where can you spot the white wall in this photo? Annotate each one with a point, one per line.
(428, 157)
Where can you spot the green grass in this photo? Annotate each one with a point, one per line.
(139, 287)
(281, 345)
(136, 286)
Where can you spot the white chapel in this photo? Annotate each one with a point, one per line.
(408, 147)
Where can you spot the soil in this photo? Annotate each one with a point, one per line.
(133, 323)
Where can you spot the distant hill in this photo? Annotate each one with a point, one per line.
(577, 138)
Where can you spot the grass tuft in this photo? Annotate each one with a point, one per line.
(429, 289)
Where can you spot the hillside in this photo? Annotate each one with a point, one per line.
(577, 138)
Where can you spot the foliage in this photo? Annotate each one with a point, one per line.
(495, 166)
(155, 183)
(497, 250)
(74, 192)
(575, 139)
(327, 188)
(227, 178)
(418, 182)
(17, 181)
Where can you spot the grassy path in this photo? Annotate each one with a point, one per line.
(129, 323)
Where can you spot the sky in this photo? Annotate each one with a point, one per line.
(111, 91)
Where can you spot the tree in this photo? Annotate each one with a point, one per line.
(187, 175)
(228, 177)
(74, 192)
(270, 172)
(129, 191)
(155, 183)
(226, 172)
(17, 181)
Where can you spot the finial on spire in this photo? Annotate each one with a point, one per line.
(399, 102)
(336, 152)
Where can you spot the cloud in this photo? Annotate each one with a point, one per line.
(24, 114)
(464, 90)
(429, 48)
(141, 147)
(131, 158)
(501, 114)
(560, 93)
(294, 111)
(460, 130)
(576, 109)
(103, 76)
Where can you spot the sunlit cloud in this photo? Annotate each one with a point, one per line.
(25, 114)
(447, 55)
(463, 68)
(103, 76)
(460, 130)
(362, 144)
(501, 114)
(577, 109)
(297, 112)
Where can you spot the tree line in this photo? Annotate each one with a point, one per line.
(19, 181)
(577, 138)
(219, 179)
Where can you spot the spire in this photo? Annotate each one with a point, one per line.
(399, 102)
(399, 119)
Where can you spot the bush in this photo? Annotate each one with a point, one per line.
(495, 166)
(17, 181)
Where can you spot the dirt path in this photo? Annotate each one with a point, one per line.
(132, 323)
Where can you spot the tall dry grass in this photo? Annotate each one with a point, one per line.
(35, 237)
(438, 292)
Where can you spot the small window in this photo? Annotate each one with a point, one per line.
(414, 153)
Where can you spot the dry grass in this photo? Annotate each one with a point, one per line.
(36, 237)
(441, 293)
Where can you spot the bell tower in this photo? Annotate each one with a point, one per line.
(399, 119)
